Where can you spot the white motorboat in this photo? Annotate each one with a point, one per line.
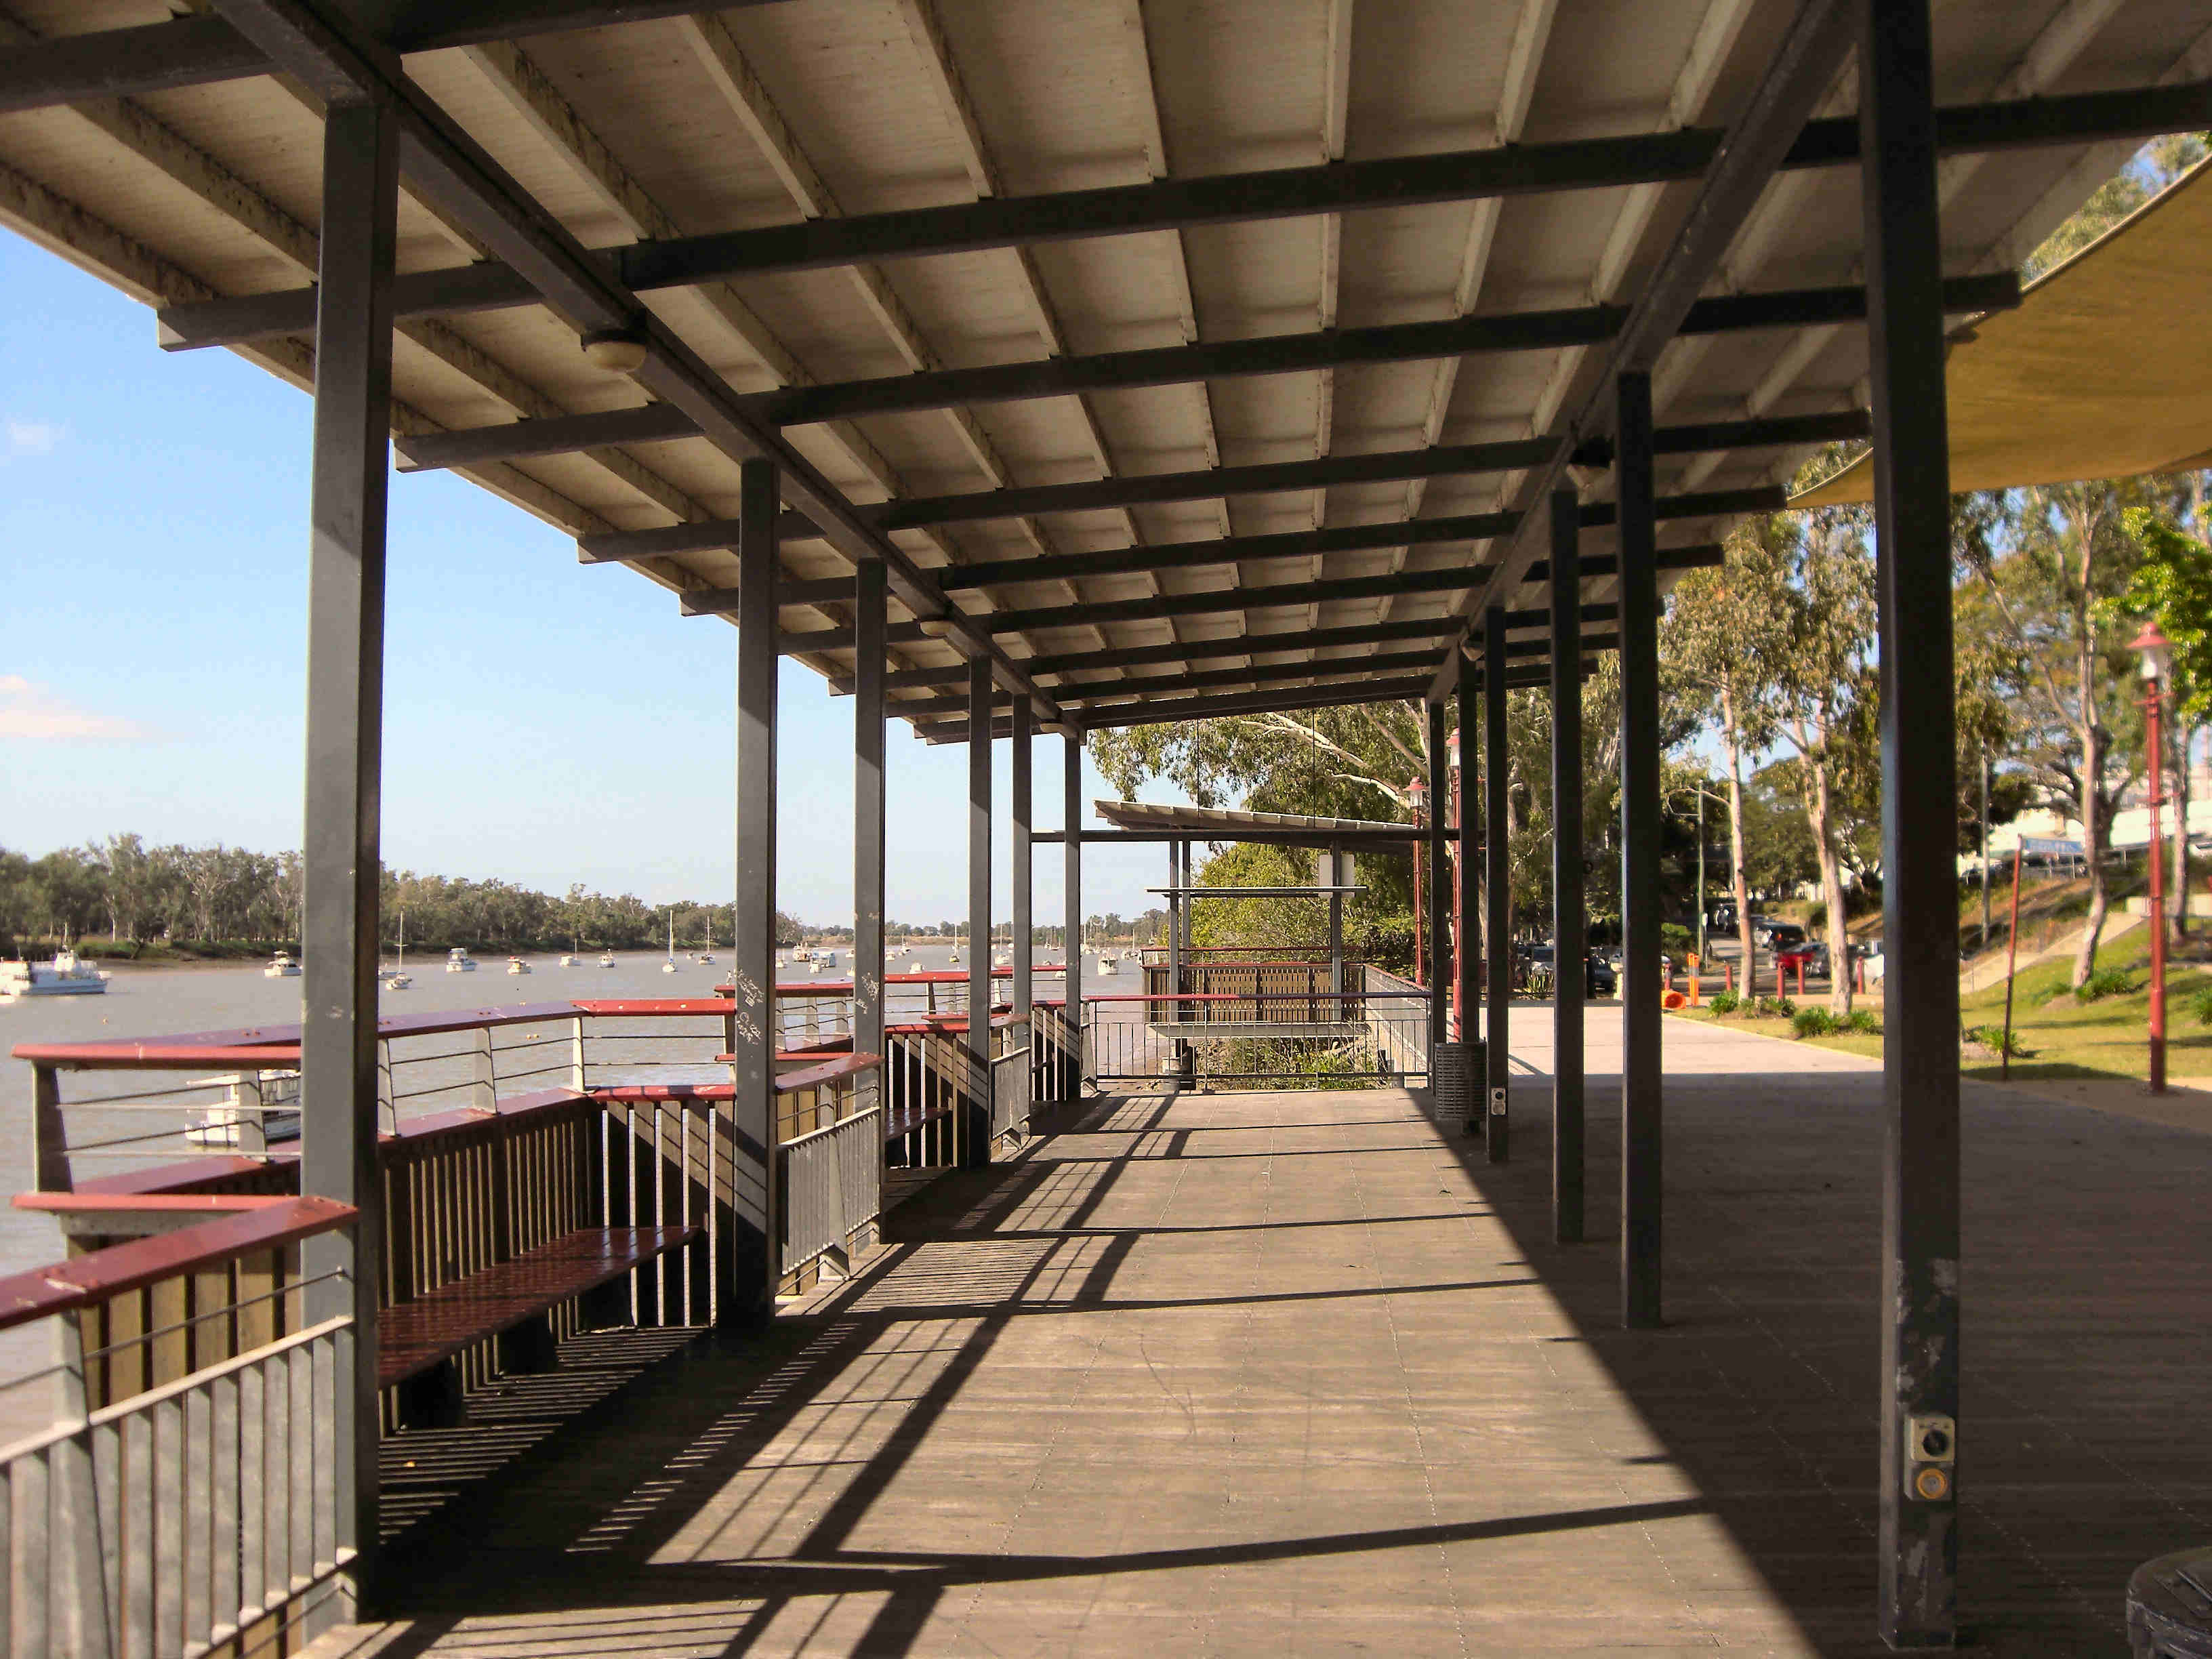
(825, 958)
(458, 961)
(64, 976)
(282, 965)
(606, 958)
(258, 1108)
(516, 965)
(1108, 965)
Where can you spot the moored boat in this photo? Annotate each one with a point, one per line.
(458, 961)
(64, 976)
(282, 965)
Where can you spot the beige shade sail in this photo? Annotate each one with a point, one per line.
(2104, 371)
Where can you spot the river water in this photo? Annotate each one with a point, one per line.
(153, 1002)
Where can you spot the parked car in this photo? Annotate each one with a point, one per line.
(1599, 979)
(1810, 954)
(1780, 935)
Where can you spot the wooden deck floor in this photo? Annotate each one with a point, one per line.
(1289, 1374)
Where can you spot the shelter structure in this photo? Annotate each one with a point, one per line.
(1078, 366)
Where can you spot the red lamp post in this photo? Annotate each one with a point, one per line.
(1417, 792)
(1458, 821)
(2155, 648)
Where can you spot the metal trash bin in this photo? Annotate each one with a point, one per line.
(2170, 1607)
(1452, 1082)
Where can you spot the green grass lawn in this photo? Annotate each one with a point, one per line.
(1851, 1043)
(2110, 1038)
(2063, 1037)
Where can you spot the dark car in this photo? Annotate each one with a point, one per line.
(1599, 979)
(1781, 935)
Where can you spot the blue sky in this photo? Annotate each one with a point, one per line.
(544, 723)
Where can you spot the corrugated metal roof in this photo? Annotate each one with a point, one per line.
(807, 112)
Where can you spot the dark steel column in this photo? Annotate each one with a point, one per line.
(1439, 883)
(1468, 983)
(1640, 1103)
(753, 1267)
(1569, 926)
(1919, 1545)
(1072, 818)
(1497, 886)
(868, 799)
(345, 762)
(976, 1129)
(1023, 813)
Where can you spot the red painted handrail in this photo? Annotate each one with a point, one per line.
(151, 1057)
(147, 1203)
(88, 1280)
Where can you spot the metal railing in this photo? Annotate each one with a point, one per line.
(1377, 1036)
(1011, 1082)
(175, 1515)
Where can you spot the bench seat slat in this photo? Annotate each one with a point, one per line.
(435, 1327)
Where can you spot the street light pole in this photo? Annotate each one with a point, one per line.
(2154, 647)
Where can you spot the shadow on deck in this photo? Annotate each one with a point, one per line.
(1289, 1373)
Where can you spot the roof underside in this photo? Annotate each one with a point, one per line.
(773, 114)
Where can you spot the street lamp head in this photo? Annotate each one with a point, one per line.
(1417, 792)
(2155, 649)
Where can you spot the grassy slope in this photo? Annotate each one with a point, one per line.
(2063, 1037)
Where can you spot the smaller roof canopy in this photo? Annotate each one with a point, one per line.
(2104, 371)
(1222, 823)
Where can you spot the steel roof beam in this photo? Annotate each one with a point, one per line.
(1209, 708)
(1093, 693)
(1336, 538)
(1386, 466)
(1005, 222)
(194, 51)
(1384, 584)
(1276, 354)
(323, 48)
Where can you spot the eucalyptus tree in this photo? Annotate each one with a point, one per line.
(2046, 569)
(1815, 571)
(2174, 584)
(1723, 631)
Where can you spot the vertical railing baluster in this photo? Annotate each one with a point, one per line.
(167, 1561)
(299, 1379)
(136, 1543)
(31, 1588)
(252, 1492)
(197, 1513)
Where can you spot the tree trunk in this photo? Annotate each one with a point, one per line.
(1731, 751)
(2180, 882)
(1820, 819)
(2093, 850)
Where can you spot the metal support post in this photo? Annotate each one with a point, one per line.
(1918, 1557)
(1640, 989)
(1072, 854)
(975, 1137)
(751, 1222)
(869, 583)
(347, 509)
(1498, 886)
(1569, 926)
(1336, 876)
(1439, 883)
(1025, 814)
(1466, 985)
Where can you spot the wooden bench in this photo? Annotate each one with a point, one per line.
(418, 1340)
